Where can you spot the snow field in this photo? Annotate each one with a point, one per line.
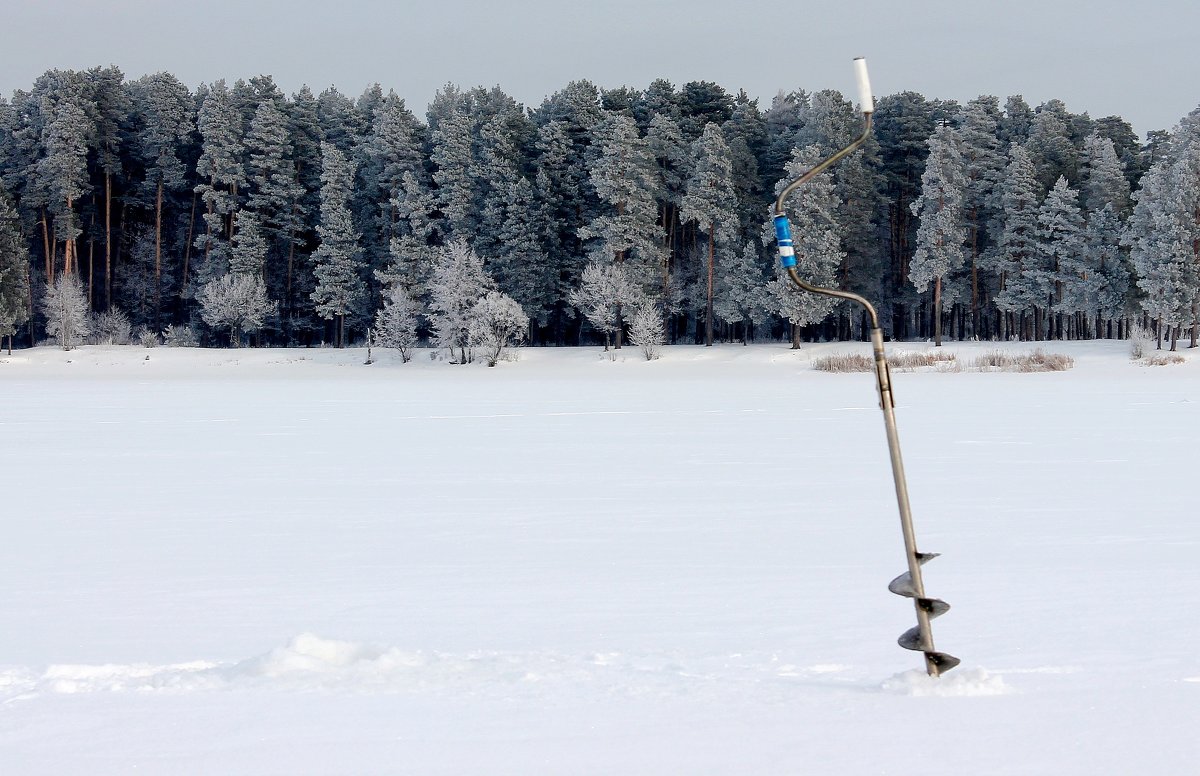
(288, 562)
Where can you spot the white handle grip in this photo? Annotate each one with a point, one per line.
(865, 100)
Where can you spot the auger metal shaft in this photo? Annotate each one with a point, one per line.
(910, 584)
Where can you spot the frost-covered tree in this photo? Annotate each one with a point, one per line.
(1060, 243)
(454, 159)
(741, 295)
(249, 251)
(457, 285)
(1015, 260)
(1164, 235)
(647, 330)
(273, 193)
(63, 170)
(111, 327)
(604, 290)
(236, 302)
(625, 230)
(222, 176)
(811, 211)
(410, 248)
(942, 234)
(340, 290)
(497, 323)
(396, 322)
(14, 272)
(1050, 148)
(168, 117)
(1103, 177)
(983, 165)
(66, 308)
(711, 203)
(1105, 278)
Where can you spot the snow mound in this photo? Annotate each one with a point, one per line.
(971, 682)
(308, 654)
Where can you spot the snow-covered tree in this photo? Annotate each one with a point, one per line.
(1063, 270)
(396, 322)
(604, 290)
(111, 327)
(1104, 290)
(983, 165)
(1103, 177)
(222, 175)
(942, 234)
(625, 230)
(64, 171)
(66, 309)
(811, 211)
(236, 302)
(647, 331)
(168, 118)
(457, 285)
(497, 323)
(14, 272)
(1015, 260)
(712, 204)
(741, 295)
(340, 290)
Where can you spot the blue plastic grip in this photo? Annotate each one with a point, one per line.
(783, 237)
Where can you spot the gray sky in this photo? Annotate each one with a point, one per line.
(1138, 60)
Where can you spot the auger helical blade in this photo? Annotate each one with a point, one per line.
(927, 608)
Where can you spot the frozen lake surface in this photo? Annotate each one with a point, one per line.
(285, 561)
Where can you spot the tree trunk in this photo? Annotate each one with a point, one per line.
(708, 313)
(108, 240)
(69, 246)
(158, 253)
(937, 312)
(48, 250)
(187, 249)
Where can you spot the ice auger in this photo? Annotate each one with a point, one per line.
(910, 583)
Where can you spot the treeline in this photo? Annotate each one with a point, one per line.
(984, 220)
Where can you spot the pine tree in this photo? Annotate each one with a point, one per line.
(14, 272)
(454, 158)
(711, 203)
(1015, 258)
(811, 210)
(273, 193)
(1103, 179)
(340, 290)
(110, 105)
(1105, 289)
(164, 105)
(624, 176)
(983, 164)
(1064, 273)
(1050, 147)
(63, 171)
(741, 295)
(942, 235)
(222, 176)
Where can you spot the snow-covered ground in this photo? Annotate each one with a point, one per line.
(287, 562)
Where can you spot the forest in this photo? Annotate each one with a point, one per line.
(235, 213)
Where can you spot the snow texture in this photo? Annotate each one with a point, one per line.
(283, 561)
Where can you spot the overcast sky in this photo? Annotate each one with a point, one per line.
(1138, 60)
